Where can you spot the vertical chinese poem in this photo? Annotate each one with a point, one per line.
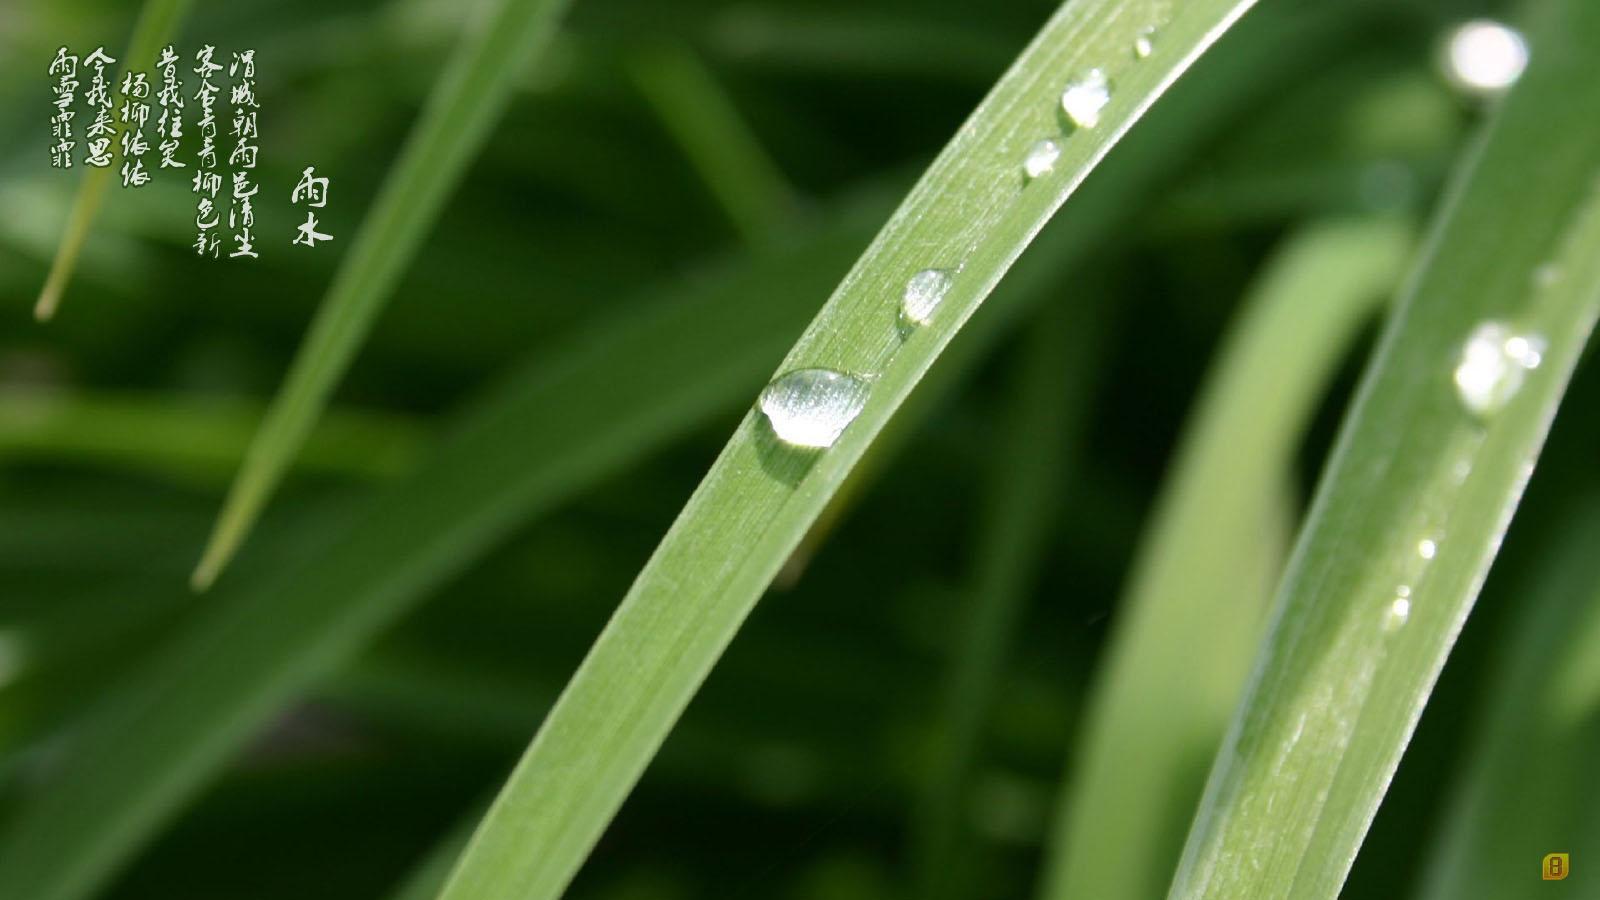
(64, 68)
(242, 70)
(169, 127)
(133, 115)
(207, 181)
(101, 132)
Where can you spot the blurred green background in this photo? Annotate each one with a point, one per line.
(606, 191)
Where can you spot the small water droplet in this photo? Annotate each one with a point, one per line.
(1399, 610)
(1041, 158)
(924, 292)
(1084, 98)
(1494, 361)
(1546, 275)
(1427, 548)
(1145, 43)
(812, 407)
(1484, 57)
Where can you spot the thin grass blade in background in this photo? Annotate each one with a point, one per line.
(1208, 564)
(1051, 403)
(1530, 787)
(1081, 83)
(198, 440)
(1443, 435)
(715, 138)
(158, 21)
(467, 101)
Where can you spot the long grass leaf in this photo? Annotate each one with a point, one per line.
(1430, 464)
(158, 21)
(471, 93)
(1208, 565)
(972, 213)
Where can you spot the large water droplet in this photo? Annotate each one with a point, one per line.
(1145, 43)
(1484, 57)
(1041, 158)
(1084, 97)
(811, 407)
(924, 292)
(1494, 361)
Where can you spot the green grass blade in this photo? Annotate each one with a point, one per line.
(715, 138)
(1416, 497)
(548, 432)
(158, 21)
(1012, 533)
(194, 439)
(473, 90)
(972, 211)
(1208, 565)
(1530, 789)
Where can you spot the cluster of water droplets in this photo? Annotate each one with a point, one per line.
(811, 407)
(1494, 362)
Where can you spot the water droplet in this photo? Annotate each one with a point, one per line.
(1041, 158)
(1493, 363)
(1084, 98)
(1427, 548)
(1399, 610)
(1546, 275)
(923, 294)
(1484, 57)
(1145, 43)
(811, 407)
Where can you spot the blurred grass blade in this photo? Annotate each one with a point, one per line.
(194, 439)
(158, 22)
(464, 106)
(1208, 565)
(1530, 789)
(972, 213)
(1427, 471)
(715, 138)
(549, 430)
(1051, 401)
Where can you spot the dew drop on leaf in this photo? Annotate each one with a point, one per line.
(1484, 57)
(923, 294)
(1399, 610)
(812, 407)
(1493, 363)
(1145, 43)
(1084, 98)
(1041, 158)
